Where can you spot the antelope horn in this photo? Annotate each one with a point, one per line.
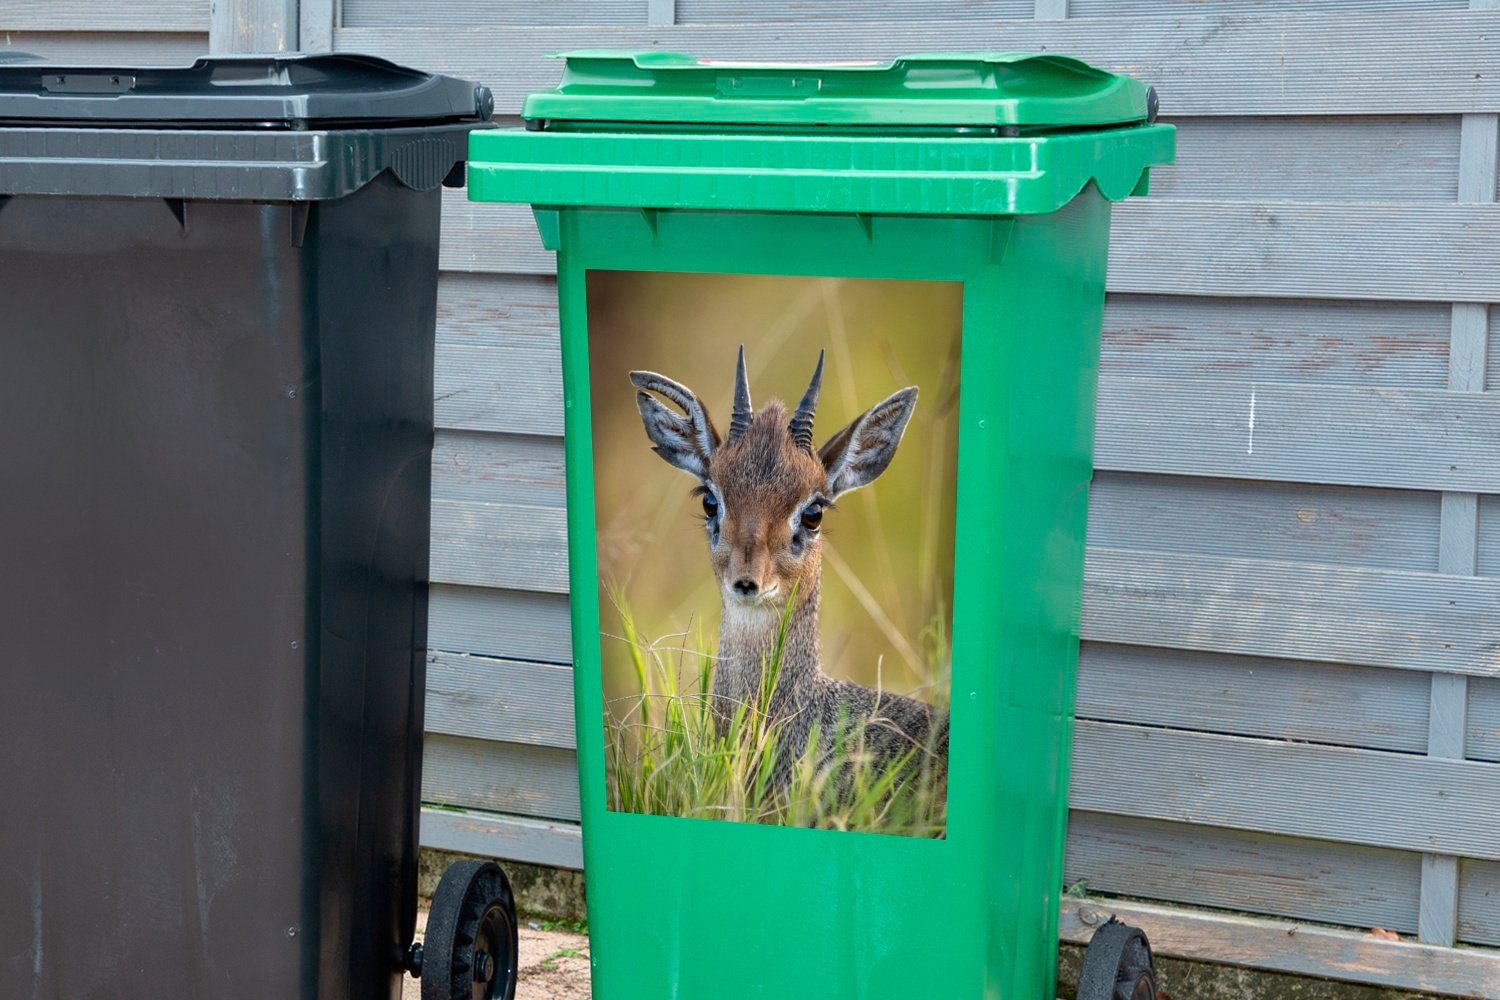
(802, 421)
(739, 420)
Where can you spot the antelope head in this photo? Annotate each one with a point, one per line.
(763, 486)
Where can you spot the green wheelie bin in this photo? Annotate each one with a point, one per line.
(823, 720)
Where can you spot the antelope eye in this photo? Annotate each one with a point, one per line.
(812, 517)
(710, 505)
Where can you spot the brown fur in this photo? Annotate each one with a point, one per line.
(763, 481)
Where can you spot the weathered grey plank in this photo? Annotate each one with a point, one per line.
(510, 546)
(1158, 8)
(1327, 341)
(497, 310)
(508, 837)
(91, 16)
(1298, 522)
(1487, 545)
(516, 388)
(116, 47)
(538, 782)
(463, 13)
(1482, 739)
(491, 238)
(1412, 621)
(316, 22)
(1180, 246)
(514, 623)
(814, 11)
(506, 700)
(1351, 435)
(1302, 249)
(1366, 797)
(1254, 696)
(1283, 946)
(1281, 876)
(1492, 355)
(1479, 903)
(1388, 63)
(498, 468)
(253, 26)
(1368, 158)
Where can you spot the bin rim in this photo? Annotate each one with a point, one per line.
(900, 174)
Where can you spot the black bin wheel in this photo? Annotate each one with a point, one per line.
(470, 949)
(1117, 965)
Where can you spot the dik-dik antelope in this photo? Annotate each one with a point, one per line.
(764, 489)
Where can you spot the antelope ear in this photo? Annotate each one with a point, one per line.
(856, 455)
(687, 441)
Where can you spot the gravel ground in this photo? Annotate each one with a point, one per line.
(554, 965)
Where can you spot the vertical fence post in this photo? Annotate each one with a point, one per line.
(252, 26)
(661, 12)
(317, 19)
(1458, 527)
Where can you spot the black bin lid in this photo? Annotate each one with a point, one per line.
(256, 91)
(235, 128)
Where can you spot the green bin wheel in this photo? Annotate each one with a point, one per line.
(471, 945)
(1117, 965)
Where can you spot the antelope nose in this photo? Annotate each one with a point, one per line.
(745, 587)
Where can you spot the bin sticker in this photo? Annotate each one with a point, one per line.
(776, 580)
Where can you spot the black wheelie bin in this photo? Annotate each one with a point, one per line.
(218, 291)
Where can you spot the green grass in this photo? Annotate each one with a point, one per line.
(665, 755)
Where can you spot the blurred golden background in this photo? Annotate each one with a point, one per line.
(888, 548)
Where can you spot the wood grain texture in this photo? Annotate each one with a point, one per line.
(509, 837)
(478, 13)
(1487, 545)
(128, 48)
(510, 701)
(1479, 902)
(497, 468)
(1324, 341)
(1482, 741)
(1367, 797)
(1287, 946)
(510, 546)
(1206, 866)
(1243, 518)
(1254, 696)
(1160, 8)
(253, 26)
(1365, 158)
(1210, 246)
(1255, 607)
(817, 11)
(1350, 435)
(497, 310)
(1389, 63)
(513, 778)
(501, 623)
(91, 16)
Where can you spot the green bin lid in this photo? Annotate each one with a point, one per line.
(1022, 89)
(981, 134)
